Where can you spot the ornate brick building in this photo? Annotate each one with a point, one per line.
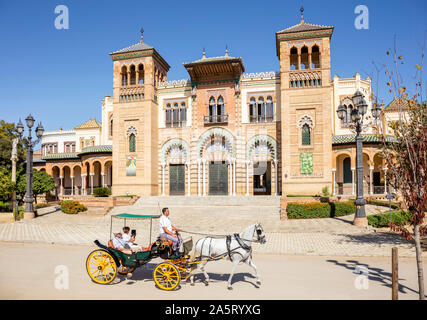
(222, 131)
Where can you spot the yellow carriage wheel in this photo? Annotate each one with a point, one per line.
(101, 267)
(124, 270)
(166, 276)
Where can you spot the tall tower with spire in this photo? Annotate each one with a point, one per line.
(137, 71)
(306, 106)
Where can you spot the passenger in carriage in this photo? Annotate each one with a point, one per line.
(129, 239)
(119, 243)
(167, 230)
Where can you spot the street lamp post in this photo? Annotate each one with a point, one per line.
(29, 145)
(357, 115)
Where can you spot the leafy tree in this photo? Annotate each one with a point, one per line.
(7, 133)
(6, 184)
(42, 183)
(407, 157)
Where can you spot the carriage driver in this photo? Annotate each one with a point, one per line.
(166, 230)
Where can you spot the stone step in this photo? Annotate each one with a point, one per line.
(216, 211)
(209, 201)
(95, 211)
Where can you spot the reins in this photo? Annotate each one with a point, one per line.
(217, 235)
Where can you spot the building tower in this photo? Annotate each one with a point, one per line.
(306, 102)
(137, 71)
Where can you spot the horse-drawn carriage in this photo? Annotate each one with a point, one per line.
(104, 263)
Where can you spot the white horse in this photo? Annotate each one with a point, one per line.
(239, 250)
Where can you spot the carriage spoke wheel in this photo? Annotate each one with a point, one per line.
(101, 267)
(124, 270)
(166, 276)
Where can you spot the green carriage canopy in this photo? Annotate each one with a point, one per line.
(135, 216)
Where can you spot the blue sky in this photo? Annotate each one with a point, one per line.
(60, 76)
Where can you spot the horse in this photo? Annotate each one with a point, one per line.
(237, 248)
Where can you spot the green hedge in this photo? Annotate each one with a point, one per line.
(343, 208)
(319, 210)
(399, 217)
(101, 192)
(72, 207)
(382, 203)
(4, 206)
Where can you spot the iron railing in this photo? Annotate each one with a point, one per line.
(223, 118)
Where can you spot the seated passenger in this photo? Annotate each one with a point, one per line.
(120, 244)
(129, 240)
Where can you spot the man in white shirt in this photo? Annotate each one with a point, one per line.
(167, 230)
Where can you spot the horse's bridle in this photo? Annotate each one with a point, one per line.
(258, 232)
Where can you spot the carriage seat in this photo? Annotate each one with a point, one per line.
(167, 241)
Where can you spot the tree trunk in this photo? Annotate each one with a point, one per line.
(419, 261)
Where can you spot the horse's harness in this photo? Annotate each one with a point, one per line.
(241, 244)
(228, 240)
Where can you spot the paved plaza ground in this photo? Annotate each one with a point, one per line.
(28, 272)
(329, 236)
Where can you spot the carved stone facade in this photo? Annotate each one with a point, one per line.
(227, 132)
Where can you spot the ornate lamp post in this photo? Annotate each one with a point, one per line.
(357, 115)
(29, 145)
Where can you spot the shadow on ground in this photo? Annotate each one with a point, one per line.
(145, 274)
(48, 210)
(374, 274)
(378, 238)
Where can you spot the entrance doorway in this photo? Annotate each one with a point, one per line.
(176, 179)
(262, 178)
(218, 178)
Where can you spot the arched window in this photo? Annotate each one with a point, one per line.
(132, 143)
(111, 127)
(304, 58)
(315, 57)
(252, 110)
(141, 74)
(293, 59)
(175, 113)
(132, 79)
(183, 114)
(220, 106)
(261, 109)
(168, 115)
(270, 109)
(212, 107)
(305, 135)
(124, 74)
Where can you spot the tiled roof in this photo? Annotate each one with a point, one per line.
(396, 104)
(302, 26)
(351, 138)
(96, 149)
(140, 46)
(213, 59)
(90, 124)
(57, 156)
(38, 160)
